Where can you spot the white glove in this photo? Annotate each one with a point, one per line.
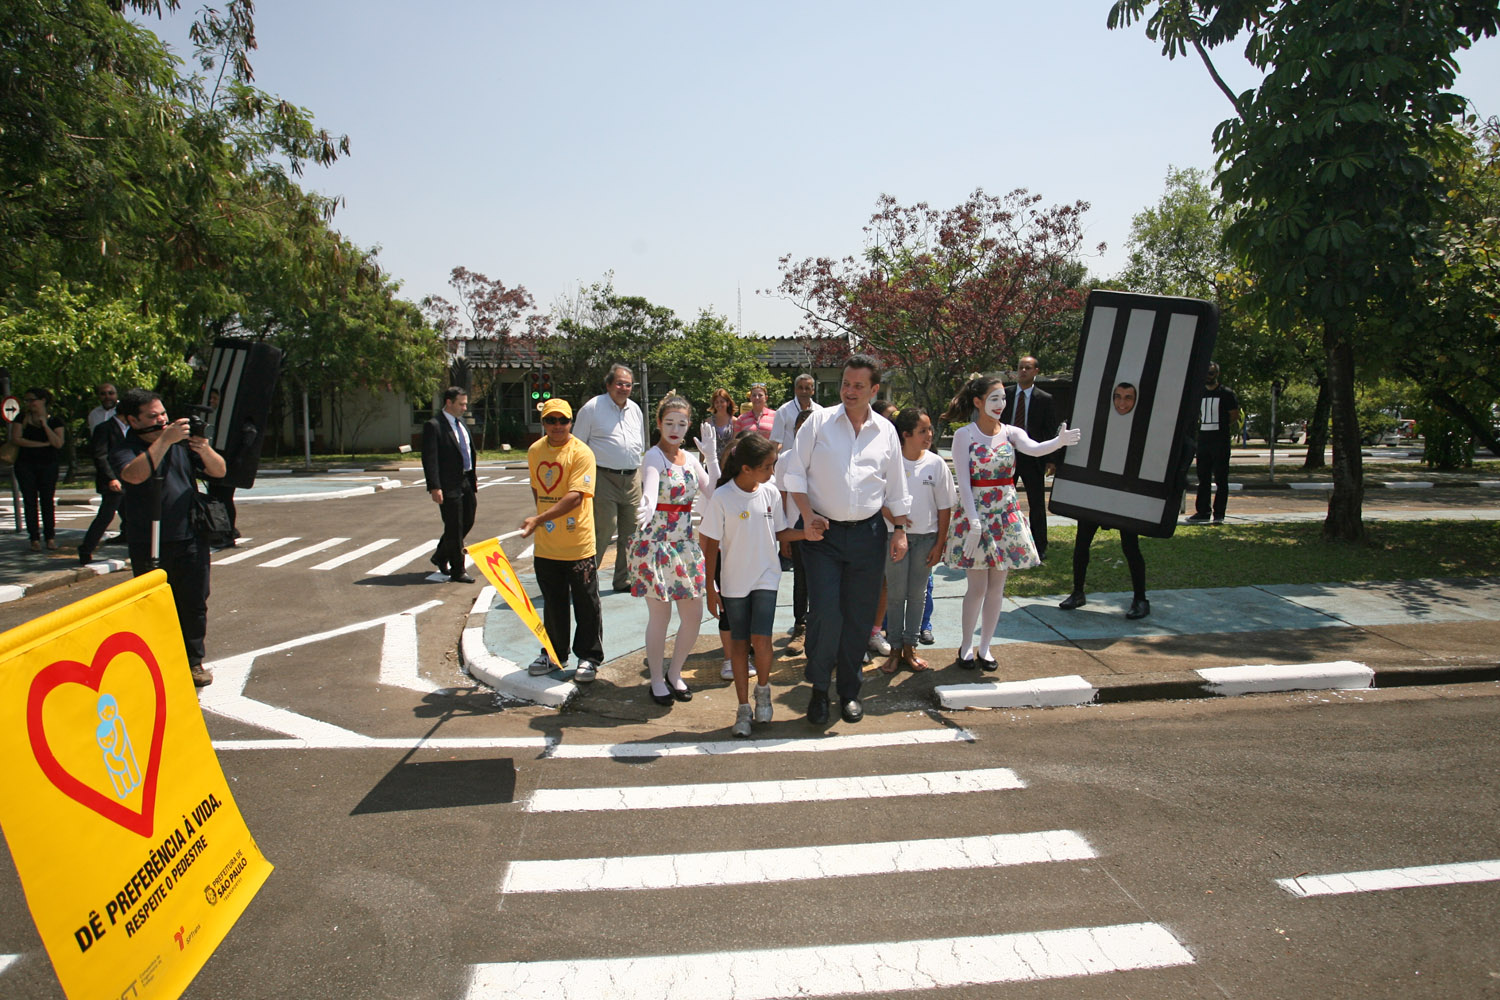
(971, 542)
(1068, 438)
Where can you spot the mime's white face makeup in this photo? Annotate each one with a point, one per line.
(994, 403)
(674, 426)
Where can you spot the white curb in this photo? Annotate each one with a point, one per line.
(1041, 692)
(1311, 486)
(1341, 674)
(510, 680)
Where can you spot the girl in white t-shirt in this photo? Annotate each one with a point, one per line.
(666, 564)
(930, 486)
(744, 520)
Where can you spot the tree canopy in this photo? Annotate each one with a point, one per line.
(937, 294)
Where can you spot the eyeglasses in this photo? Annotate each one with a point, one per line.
(624, 385)
(557, 420)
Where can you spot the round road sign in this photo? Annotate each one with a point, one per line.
(11, 407)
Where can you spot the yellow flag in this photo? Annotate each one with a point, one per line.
(490, 559)
(134, 857)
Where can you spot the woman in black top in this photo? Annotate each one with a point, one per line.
(40, 437)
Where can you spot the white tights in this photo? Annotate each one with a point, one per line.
(982, 601)
(659, 616)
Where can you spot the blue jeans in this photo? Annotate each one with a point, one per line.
(906, 589)
(844, 571)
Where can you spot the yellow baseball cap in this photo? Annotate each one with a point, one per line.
(552, 406)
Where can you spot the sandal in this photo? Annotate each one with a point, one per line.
(913, 662)
(892, 664)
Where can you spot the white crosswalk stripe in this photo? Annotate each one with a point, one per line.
(256, 552)
(794, 864)
(886, 967)
(307, 550)
(1392, 878)
(399, 562)
(877, 786)
(349, 557)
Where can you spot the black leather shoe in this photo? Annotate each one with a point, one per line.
(660, 699)
(84, 558)
(968, 664)
(461, 577)
(442, 567)
(817, 708)
(986, 664)
(1139, 608)
(683, 693)
(852, 711)
(1073, 600)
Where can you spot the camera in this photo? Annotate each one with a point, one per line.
(198, 420)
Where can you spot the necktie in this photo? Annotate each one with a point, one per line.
(463, 444)
(1021, 410)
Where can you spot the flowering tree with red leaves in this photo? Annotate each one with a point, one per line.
(937, 295)
(492, 322)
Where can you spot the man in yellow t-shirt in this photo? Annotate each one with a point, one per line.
(563, 478)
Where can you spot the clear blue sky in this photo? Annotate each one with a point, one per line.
(687, 146)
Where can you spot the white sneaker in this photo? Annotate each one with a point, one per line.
(762, 703)
(727, 670)
(541, 665)
(742, 722)
(586, 672)
(878, 645)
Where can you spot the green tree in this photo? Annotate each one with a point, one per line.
(71, 339)
(709, 355)
(1177, 245)
(598, 328)
(1327, 164)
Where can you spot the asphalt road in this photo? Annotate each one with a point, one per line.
(1143, 841)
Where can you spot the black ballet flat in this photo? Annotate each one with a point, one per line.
(660, 699)
(683, 693)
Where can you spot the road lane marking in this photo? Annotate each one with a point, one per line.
(399, 656)
(307, 550)
(1391, 878)
(358, 741)
(835, 970)
(274, 543)
(226, 697)
(363, 550)
(391, 565)
(737, 793)
(6, 961)
(793, 864)
(590, 751)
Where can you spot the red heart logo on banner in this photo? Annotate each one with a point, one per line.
(91, 675)
(548, 474)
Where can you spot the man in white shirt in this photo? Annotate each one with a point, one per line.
(784, 429)
(613, 428)
(845, 468)
(108, 397)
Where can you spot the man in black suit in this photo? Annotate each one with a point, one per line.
(108, 434)
(448, 462)
(1032, 410)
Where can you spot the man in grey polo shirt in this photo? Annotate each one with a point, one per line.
(612, 426)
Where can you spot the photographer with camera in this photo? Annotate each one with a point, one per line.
(158, 461)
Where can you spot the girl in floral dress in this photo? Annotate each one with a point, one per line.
(990, 535)
(666, 564)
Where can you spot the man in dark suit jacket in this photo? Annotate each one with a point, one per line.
(1038, 418)
(106, 437)
(448, 462)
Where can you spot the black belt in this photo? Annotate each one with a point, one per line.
(847, 524)
(618, 472)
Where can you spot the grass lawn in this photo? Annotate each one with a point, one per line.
(1251, 554)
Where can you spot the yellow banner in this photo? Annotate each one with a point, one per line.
(134, 857)
(491, 561)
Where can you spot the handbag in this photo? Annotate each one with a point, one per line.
(210, 518)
